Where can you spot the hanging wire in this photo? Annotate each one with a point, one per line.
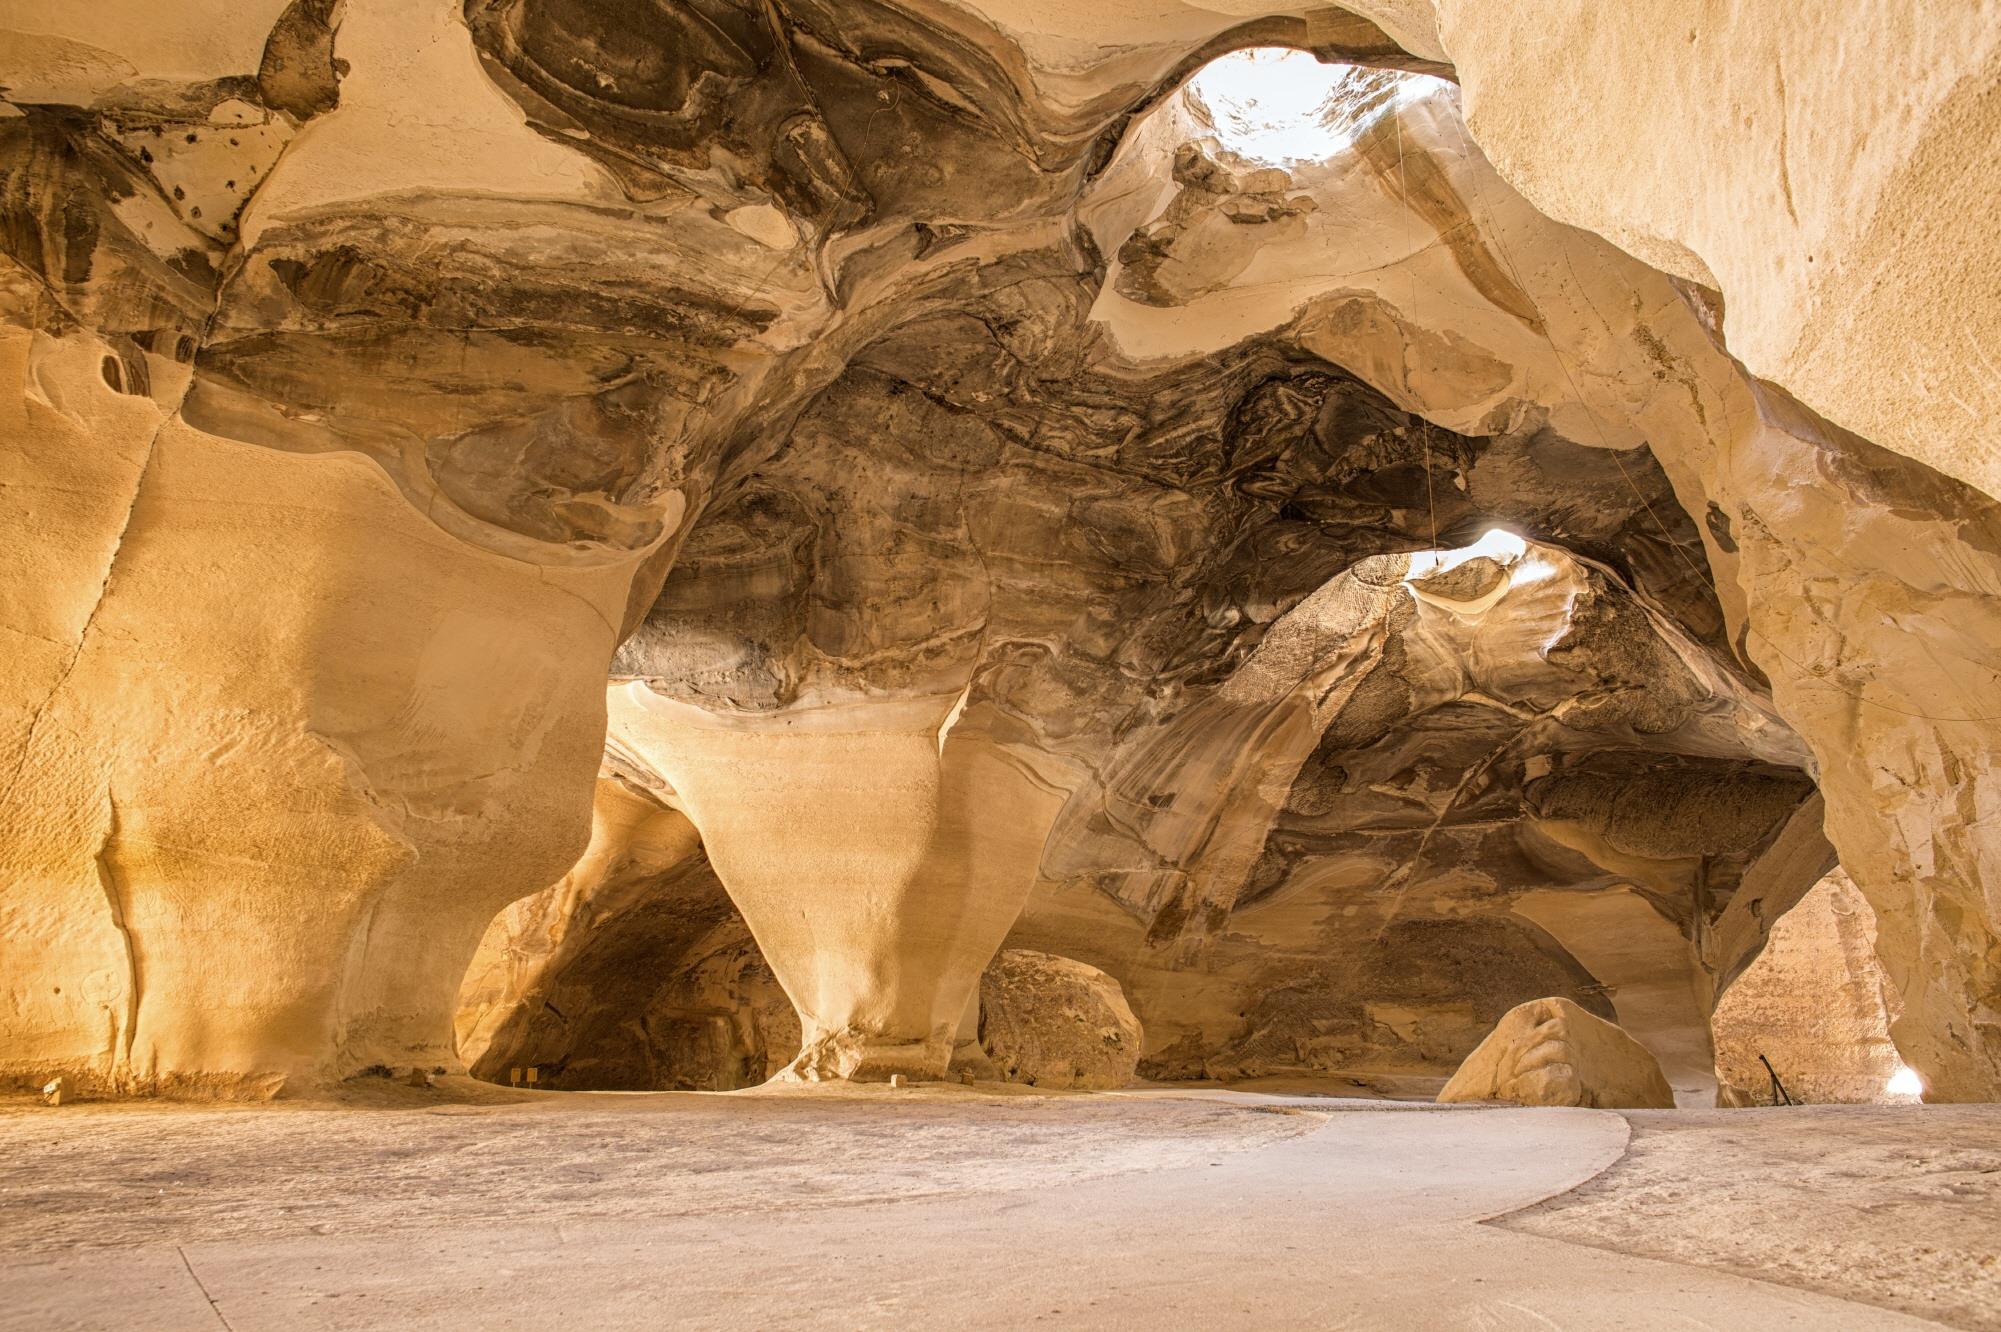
(1410, 262)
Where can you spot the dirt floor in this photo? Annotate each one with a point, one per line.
(110, 1174)
(1893, 1206)
(468, 1206)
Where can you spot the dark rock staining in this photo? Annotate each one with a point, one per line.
(952, 489)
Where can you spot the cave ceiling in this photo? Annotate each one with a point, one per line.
(1255, 575)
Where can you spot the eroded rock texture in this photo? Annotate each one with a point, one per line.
(1813, 1009)
(963, 489)
(294, 704)
(1551, 1052)
(1053, 1022)
(634, 973)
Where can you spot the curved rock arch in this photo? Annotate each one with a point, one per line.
(346, 782)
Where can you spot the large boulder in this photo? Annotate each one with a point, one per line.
(1551, 1052)
(1054, 1022)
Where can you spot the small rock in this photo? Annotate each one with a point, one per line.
(55, 1091)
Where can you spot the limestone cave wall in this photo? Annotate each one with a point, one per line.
(721, 516)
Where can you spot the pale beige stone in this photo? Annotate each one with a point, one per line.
(633, 972)
(1551, 1052)
(878, 852)
(1852, 685)
(666, 546)
(1650, 978)
(260, 849)
(1815, 170)
(1816, 1004)
(996, 489)
(1820, 170)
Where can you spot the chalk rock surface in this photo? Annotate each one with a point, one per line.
(1053, 1022)
(954, 460)
(1551, 1052)
(632, 973)
(1815, 1004)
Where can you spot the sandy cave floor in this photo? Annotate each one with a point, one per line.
(157, 1173)
(469, 1206)
(1883, 1204)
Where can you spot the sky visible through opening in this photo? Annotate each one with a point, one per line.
(1277, 106)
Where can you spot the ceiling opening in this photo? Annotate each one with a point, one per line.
(1276, 106)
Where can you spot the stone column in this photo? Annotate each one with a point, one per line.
(878, 850)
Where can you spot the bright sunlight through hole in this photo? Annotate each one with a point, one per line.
(1276, 106)
(1496, 544)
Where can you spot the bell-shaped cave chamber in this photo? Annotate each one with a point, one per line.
(1248, 557)
(1207, 546)
(1301, 629)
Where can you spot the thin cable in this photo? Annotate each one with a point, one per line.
(1410, 264)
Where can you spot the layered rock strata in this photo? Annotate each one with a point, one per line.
(1007, 488)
